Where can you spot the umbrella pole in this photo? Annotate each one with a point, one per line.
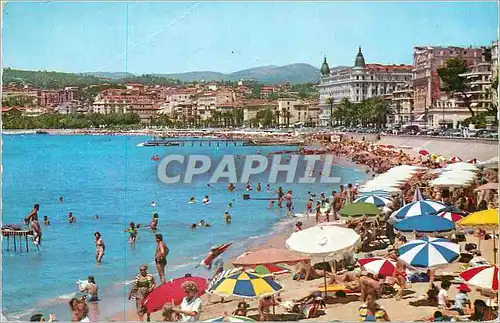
(274, 312)
(495, 250)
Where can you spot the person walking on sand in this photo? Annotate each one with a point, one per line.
(143, 284)
(318, 211)
(99, 247)
(161, 257)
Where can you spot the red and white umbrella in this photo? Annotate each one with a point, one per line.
(472, 161)
(378, 265)
(455, 159)
(452, 216)
(424, 152)
(482, 277)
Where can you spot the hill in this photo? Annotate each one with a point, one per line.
(293, 73)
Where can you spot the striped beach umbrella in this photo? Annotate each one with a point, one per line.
(246, 285)
(424, 207)
(378, 265)
(429, 252)
(221, 274)
(452, 216)
(373, 199)
(425, 224)
(482, 277)
(230, 318)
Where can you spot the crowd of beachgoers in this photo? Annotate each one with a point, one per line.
(301, 298)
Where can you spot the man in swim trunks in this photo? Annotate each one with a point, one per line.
(33, 216)
(161, 257)
(34, 213)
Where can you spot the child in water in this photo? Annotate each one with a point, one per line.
(133, 232)
(227, 217)
(46, 220)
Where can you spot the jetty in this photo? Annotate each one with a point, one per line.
(7, 232)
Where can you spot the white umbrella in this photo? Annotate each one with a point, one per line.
(328, 242)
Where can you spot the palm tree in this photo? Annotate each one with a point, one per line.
(330, 102)
(277, 115)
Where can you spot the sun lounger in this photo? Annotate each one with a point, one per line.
(333, 289)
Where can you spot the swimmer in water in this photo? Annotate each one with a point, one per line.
(60, 198)
(206, 200)
(153, 204)
(46, 220)
(96, 217)
(268, 188)
(154, 222)
(192, 200)
(230, 205)
(208, 185)
(133, 232)
(227, 217)
(248, 187)
(71, 218)
(258, 188)
(193, 226)
(271, 204)
(230, 187)
(203, 224)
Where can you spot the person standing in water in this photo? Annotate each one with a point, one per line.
(99, 247)
(35, 226)
(154, 222)
(227, 217)
(288, 201)
(258, 188)
(46, 220)
(132, 229)
(91, 289)
(161, 257)
(71, 218)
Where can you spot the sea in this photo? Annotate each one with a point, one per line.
(113, 178)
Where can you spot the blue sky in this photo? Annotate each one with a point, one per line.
(173, 37)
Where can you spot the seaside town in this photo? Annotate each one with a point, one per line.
(408, 98)
(409, 233)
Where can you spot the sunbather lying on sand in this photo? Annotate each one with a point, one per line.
(307, 272)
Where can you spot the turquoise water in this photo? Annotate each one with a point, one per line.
(110, 177)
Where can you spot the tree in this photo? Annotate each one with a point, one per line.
(452, 82)
(330, 101)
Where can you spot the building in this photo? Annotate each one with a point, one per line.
(293, 111)
(252, 106)
(425, 80)
(357, 83)
(24, 92)
(52, 98)
(402, 104)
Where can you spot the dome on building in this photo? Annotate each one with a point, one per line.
(360, 60)
(325, 69)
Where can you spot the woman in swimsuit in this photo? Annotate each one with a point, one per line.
(99, 247)
(154, 222)
(144, 283)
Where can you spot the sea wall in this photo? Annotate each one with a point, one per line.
(481, 149)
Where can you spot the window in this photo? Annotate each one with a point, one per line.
(357, 77)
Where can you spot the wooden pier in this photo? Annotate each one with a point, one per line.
(17, 233)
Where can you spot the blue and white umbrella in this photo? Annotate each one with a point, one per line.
(373, 199)
(429, 252)
(425, 224)
(417, 208)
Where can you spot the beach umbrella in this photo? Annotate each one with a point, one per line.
(246, 285)
(423, 152)
(378, 265)
(230, 318)
(417, 208)
(359, 209)
(482, 276)
(327, 242)
(418, 196)
(221, 274)
(429, 252)
(452, 216)
(271, 269)
(171, 292)
(455, 159)
(425, 224)
(472, 161)
(487, 186)
(269, 256)
(483, 219)
(373, 199)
